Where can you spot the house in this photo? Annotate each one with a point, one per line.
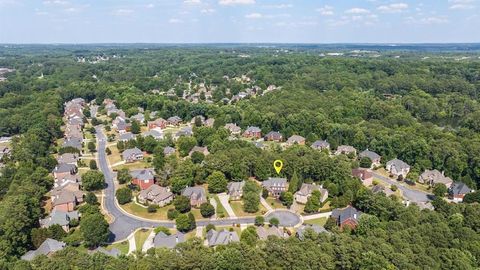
(321, 145)
(168, 241)
(397, 167)
(309, 227)
(253, 132)
(264, 232)
(139, 117)
(186, 131)
(68, 158)
(48, 247)
(75, 142)
(374, 157)
(203, 150)
(457, 191)
(432, 177)
(156, 133)
(379, 189)
(143, 178)
(222, 237)
(64, 169)
(233, 128)
(275, 186)
(156, 194)
(167, 151)
(346, 150)
(123, 127)
(365, 175)
(127, 136)
(66, 198)
(197, 195)
(274, 136)
(114, 252)
(306, 190)
(132, 155)
(66, 179)
(346, 217)
(58, 217)
(174, 121)
(158, 123)
(235, 190)
(296, 139)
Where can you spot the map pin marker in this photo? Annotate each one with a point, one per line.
(278, 164)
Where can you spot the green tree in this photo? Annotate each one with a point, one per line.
(197, 157)
(123, 176)
(124, 195)
(251, 202)
(91, 147)
(183, 223)
(93, 180)
(274, 222)
(207, 210)
(313, 202)
(185, 144)
(249, 236)
(259, 220)
(93, 165)
(295, 183)
(217, 182)
(439, 190)
(91, 198)
(135, 128)
(286, 198)
(94, 229)
(182, 204)
(172, 214)
(365, 162)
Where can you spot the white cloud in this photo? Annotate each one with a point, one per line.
(150, 6)
(174, 21)
(427, 20)
(236, 2)
(357, 11)
(326, 10)
(55, 2)
(192, 2)
(254, 16)
(393, 8)
(123, 12)
(207, 10)
(279, 6)
(462, 4)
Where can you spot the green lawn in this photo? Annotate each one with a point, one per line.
(122, 246)
(237, 207)
(115, 156)
(318, 221)
(134, 166)
(137, 210)
(140, 237)
(221, 212)
(275, 203)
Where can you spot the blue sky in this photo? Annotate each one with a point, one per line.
(210, 21)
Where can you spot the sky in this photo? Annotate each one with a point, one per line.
(243, 21)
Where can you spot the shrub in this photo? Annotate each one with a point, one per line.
(124, 195)
(259, 220)
(172, 214)
(152, 208)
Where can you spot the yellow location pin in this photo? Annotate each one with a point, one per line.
(278, 164)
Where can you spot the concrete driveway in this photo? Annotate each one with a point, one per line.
(410, 194)
(223, 198)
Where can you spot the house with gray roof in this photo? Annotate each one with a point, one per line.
(347, 216)
(157, 134)
(59, 217)
(306, 190)
(132, 155)
(310, 227)
(253, 132)
(143, 178)
(74, 142)
(397, 167)
(174, 121)
(235, 190)
(64, 169)
(156, 194)
(127, 136)
(48, 247)
(346, 150)
(321, 145)
(167, 151)
(186, 131)
(296, 139)
(274, 136)
(223, 237)
(374, 157)
(168, 241)
(139, 117)
(432, 177)
(233, 128)
(275, 186)
(264, 232)
(457, 191)
(199, 149)
(68, 158)
(197, 195)
(114, 252)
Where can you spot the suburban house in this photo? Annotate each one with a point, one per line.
(432, 177)
(264, 232)
(374, 157)
(346, 217)
(397, 167)
(306, 190)
(186, 131)
(296, 139)
(143, 178)
(48, 247)
(69, 178)
(457, 191)
(139, 117)
(379, 189)
(76, 142)
(168, 241)
(274, 136)
(235, 190)
(167, 151)
(320, 145)
(65, 198)
(58, 217)
(346, 150)
(64, 169)
(309, 227)
(132, 155)
(365, 175)
(222, 237)
(156, 133)
(197, 195)
(275, 186)
(114, 252)
(233, 128)
(68, 158)
(174, 121)
(156, 194)
(127, 136)
(199, 149)
(158, 123)
(253, 132)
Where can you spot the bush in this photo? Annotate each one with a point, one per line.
(108, 151)
(182, 204)
(393, 188)
(93, 180)
(124, 195)
(172, 214)
(152, 208)
(90, 198)
(274, 222)
(165, 230)
(93, 165)
(264, 193)
(259, 220)
(207, 210)
(210, 227)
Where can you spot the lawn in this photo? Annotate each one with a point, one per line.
(122, 246)
(115, 156)
(237, 207)
(275, 203)
(238, 230)
(317, 221)
(140, 237)
(221, 212)
(137, 210)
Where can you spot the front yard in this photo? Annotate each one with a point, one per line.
(275, 203)
(122, 246)
(237, 207)
(140, 237)
(317, 221)
(140, 211)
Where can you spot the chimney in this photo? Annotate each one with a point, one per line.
(355, 216)
(176, 238)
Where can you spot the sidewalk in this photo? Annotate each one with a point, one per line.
(265, 204)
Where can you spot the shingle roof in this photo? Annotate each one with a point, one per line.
(272, 181)
(459, 188)
(143, 174)
(346, 213)
(47, 247)
(223, 237)
(194, 192)
(316, 228)
(295, 139)
(59, 217)
(369, 154)
(168, 241)
(320, 144)
(398, 164)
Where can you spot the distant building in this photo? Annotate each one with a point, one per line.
(132, 155)
(174, 121)
(346, 217)
(158, 123)
(264, 232)
(365, 175)
(126, 136)
(156, 194)
(168, 241)
(253, 132)
(143, 178)
(197, 195)
(275, 186)
(457, 191)
(233, 128)
(199, 149)
(346, 150)
(397, 167)
(296, 139)
(274, 136)
(235, 190)
(321, 145)
(222, 237)
(48, 247)
(167, 151)
(314, 228)
(432, 177)
(58, 217)
(374, 157)
(306, 190)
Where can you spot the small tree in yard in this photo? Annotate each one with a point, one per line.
(91, 147)
(259, 220)
(93, 180)
(90, 198)
(217, 182)
(274, 222)
(249, 236)
(313, 202)
(439, 190)
(251, 202)
(264, 193)
(286, 198)
(152, 208)
(124, 195)
(108, 151)
(124, 176)
(94, 229)
(183, 223)
(207, 210)
(365, 162)
(172, 214)
(197, 157)
(210, 227)
(182, 204)
(93, 165)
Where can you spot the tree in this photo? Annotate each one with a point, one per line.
(94, 229)
(265, 193)
(472, 197)
(185, 144)
(123, 176)
(91, 147)
(210, 227)
(93, 180)
(439, 190)
(108, 151)
(313, 202)
(365, 162)
(295, 183)
(135, 128)
(259, 220)
(217, 182)
(197, 157)
(124, 195)
(182, 204)
(274, 222)
(193, 223)
(172, 214)
(152, 208)
(251, 202)
(286, 198)
(249, 236)
(93, 165)
(183, 223)
(158, 160)
(56, 232)
(91, 198)
(207, 210)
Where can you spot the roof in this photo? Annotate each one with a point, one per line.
(73, 142)
(346, 149)
(114, 252)
(233, 127)
(155, 133)
(68, 158)
(320, 144)
(127, 136)
(131, 152)
(48, 246)
(398, 164)
(315, 228)
(59, 217)
(199, 149)
(362, 173)
(346, 213)
(143, 174)
(369, 154)
(197, 193)
(168, 150)
(168, 241)
(222, 237)
(307, 189)
(274, 134)
(156, 192)
(264, 233)
(253, 129)
(174, 119)
(272, 181)
(436, 177)
(295, 139)
(64, 167)
(235, 186)
(459, 188)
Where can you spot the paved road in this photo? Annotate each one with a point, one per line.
(285, 217)
(124, 224)
(411, 194)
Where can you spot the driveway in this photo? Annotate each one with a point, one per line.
(410, 194)
(223, 197)
(285, 218)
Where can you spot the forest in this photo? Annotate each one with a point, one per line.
(425, 112)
